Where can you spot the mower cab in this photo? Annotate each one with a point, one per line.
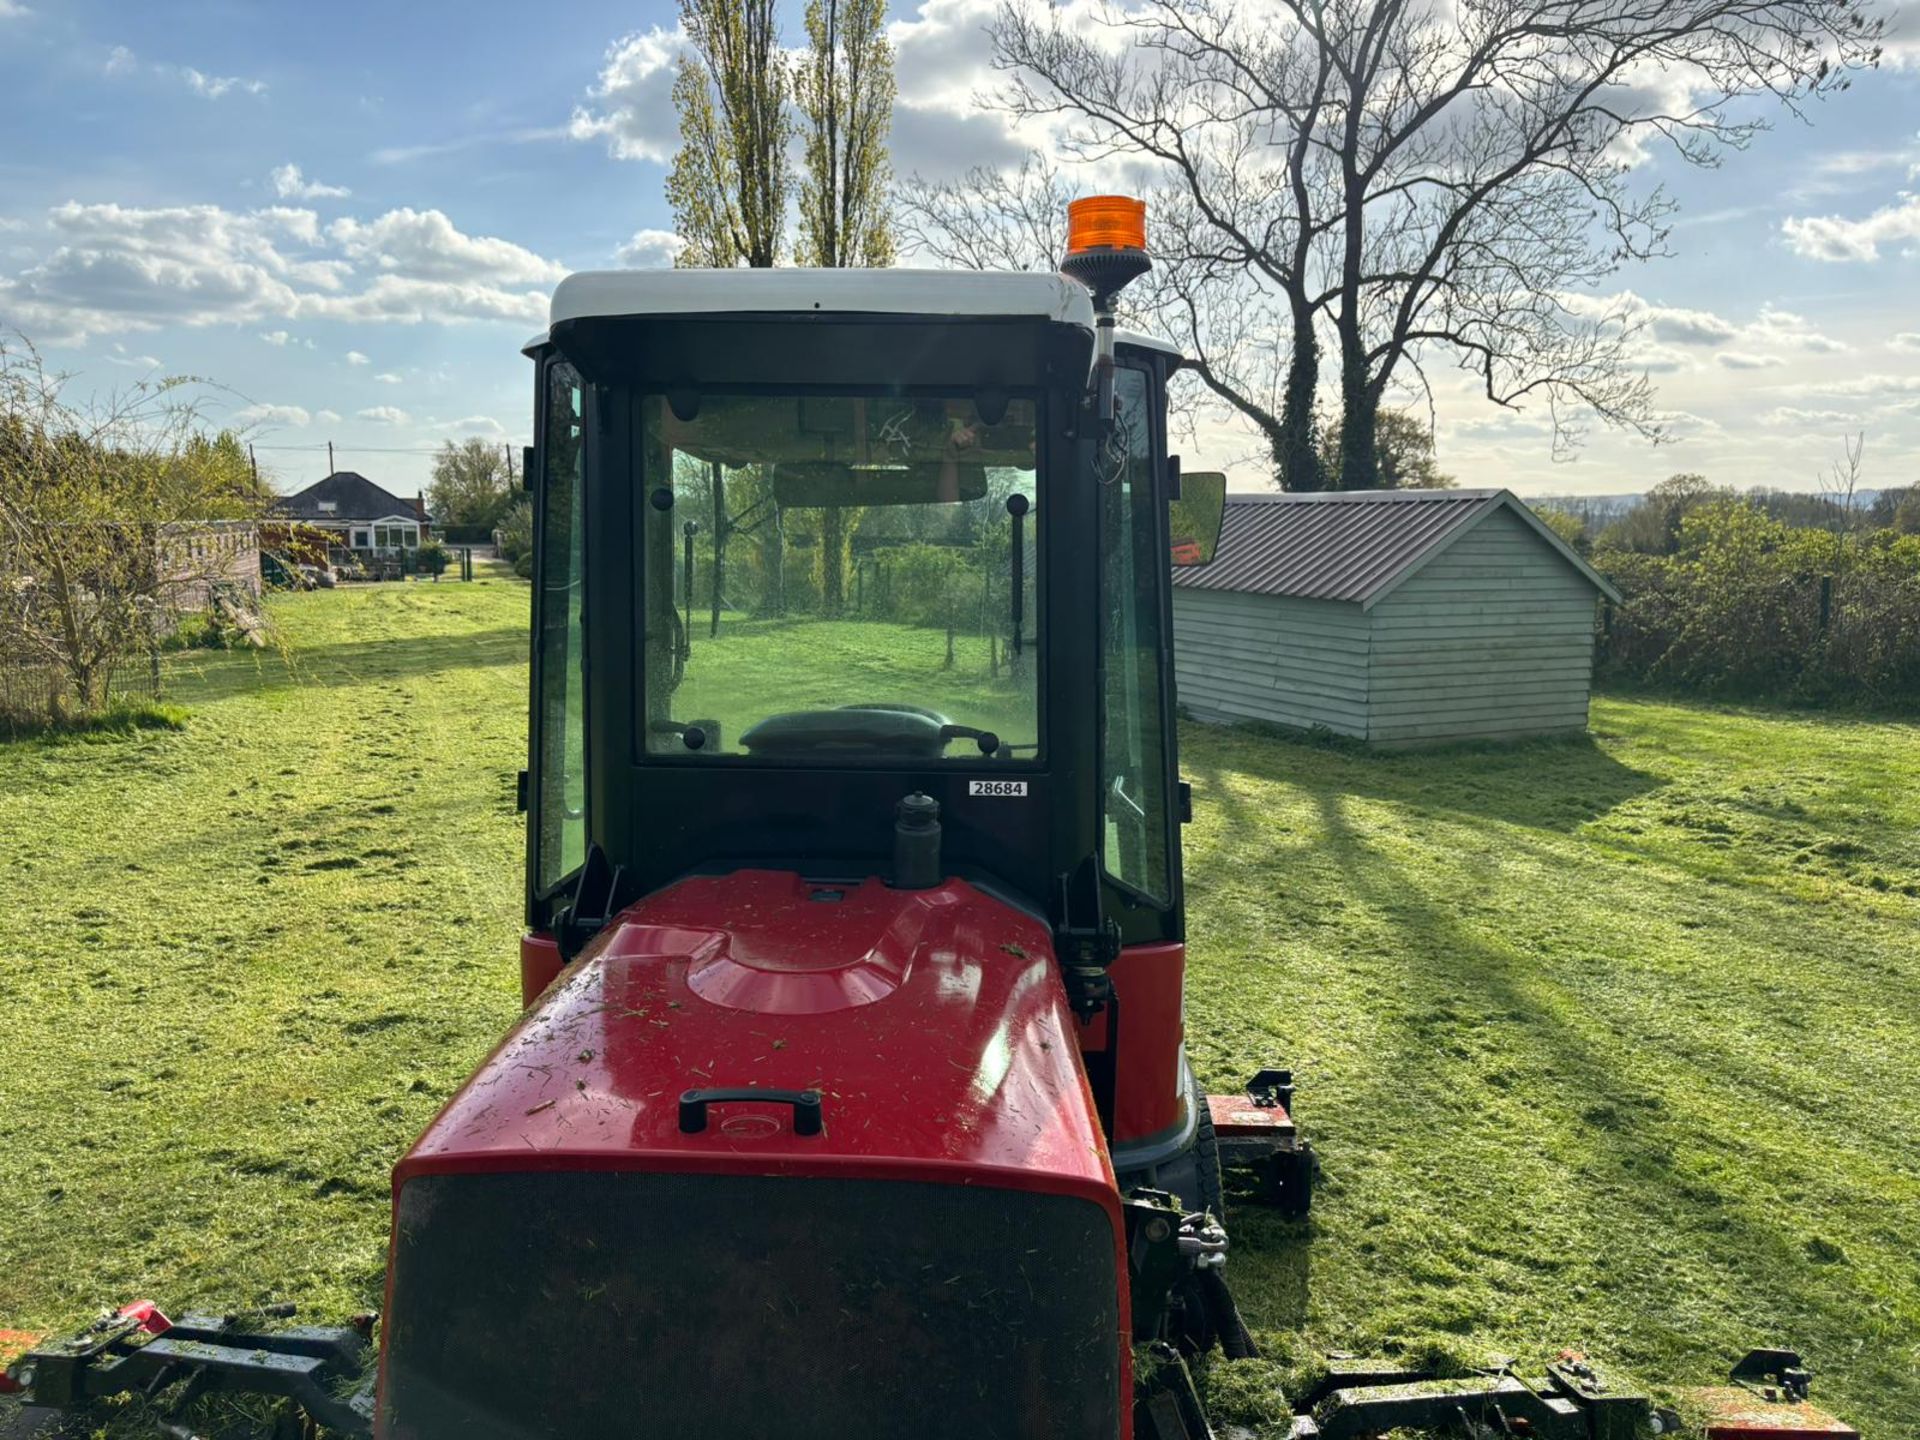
(851, 1089)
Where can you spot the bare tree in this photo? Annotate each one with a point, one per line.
(1841, 483)
(1430, 178)
(1237, 188)
(728, 184)
(109, 518)
(988, 219)
(1230, 328)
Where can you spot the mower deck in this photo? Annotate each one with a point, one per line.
(1256, 1135)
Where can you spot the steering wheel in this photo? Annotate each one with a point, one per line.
(852, 730)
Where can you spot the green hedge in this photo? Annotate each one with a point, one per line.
(1748, 606)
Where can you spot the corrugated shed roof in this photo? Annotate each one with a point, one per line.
(1350, 545)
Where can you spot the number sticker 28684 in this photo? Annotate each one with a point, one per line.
(996, 787)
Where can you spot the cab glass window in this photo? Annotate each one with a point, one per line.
(1133, 765)
(562, 799)
(841, 577)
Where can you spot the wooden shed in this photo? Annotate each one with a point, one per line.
(1402, 616)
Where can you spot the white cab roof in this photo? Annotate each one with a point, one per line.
(1146, 342)
(858, 292)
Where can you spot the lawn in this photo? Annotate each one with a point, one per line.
(246, 962)
(1607, 1043)
(823, 666)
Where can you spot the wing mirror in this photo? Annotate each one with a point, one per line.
(1193, 520)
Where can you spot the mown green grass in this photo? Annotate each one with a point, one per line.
(756, 668)
(245, 962)
(1607, 1043)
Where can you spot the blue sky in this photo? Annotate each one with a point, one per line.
(349, 214)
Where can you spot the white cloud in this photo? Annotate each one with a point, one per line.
(1838, 240)
(1791, 416)
(476, 425)
(425, 245)
(1906, 340)
(630, 106)
(387, 377)
(1690, 327)
(277, 338)
(120, 61)
(114, 270)
(1789, 331)
(1865, 386)
(272, 415)
(943, 62)
(469, 140)
(136, 362)
(650, 250)
(289, 184)
(1740, 360)
(13, 10)
(384, 415)
(213, 87)
(327, 417)
(400, 301)
(354, 357)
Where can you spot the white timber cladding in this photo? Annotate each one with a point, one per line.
(1492, 637)
(1488, 637)
(1286, 661)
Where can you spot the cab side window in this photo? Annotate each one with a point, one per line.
(1133, 766)
(562, 800)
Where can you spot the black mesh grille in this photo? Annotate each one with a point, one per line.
(622, 1304)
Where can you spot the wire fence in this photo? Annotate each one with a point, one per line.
(34, 692)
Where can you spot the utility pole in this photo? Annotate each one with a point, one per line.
(253, 465)
(509, 449)
(329, 457)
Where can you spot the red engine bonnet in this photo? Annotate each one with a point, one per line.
(933, 1022)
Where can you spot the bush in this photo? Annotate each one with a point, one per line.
(523, 565)
(516, 532)
(1750, 606)
(196, 632)
(431, 557)
(924, 585)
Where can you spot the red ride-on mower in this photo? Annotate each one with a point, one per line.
(851, 1097)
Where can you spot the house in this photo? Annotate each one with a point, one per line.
(1401, 617)
(364, 516)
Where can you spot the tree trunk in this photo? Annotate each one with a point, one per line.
(775, 602)
(1359, 466)
(833, 543)
(1360, 463)
(1296, 457)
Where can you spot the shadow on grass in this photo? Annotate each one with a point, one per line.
(222, 676)
(1646, 1167)
(1548, 784)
